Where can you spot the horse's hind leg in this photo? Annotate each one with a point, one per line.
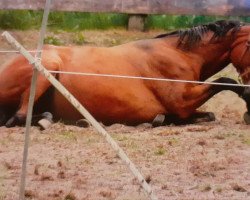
(20, 116)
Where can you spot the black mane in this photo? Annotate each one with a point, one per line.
(191, 37)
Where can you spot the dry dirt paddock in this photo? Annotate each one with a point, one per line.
(199, 161)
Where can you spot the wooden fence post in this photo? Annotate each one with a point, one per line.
(136, 22)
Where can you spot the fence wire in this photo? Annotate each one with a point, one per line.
(147, 78)
(11, 51)
(134, 77)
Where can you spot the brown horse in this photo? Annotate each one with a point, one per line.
(193, 54)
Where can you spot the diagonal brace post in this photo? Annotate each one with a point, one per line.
(147, 188)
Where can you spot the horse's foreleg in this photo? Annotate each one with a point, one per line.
(20, 116)
(196, 117)
(198, 95)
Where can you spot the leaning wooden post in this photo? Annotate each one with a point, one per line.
(31, 101)
(83, 111)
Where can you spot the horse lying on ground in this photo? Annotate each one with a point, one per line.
(193, 54)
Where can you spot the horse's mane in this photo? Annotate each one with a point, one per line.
(191, 37)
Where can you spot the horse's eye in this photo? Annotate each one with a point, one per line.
(248, 43)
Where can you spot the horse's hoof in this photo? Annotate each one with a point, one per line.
(203, 117)
(47, 115)
(16, 120)
(210, 117)
(44, 123)
(144, 125)
(11, 122)
(247, 118)
(83, 123)
(158, 120)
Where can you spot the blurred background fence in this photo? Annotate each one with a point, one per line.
(136, 14)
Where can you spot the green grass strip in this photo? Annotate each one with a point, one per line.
(77, 21)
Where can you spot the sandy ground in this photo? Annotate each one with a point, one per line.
(200, 161)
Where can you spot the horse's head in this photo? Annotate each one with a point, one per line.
(240, 57)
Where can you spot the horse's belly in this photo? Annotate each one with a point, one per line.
(109, 103)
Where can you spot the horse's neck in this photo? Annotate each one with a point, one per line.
(201, 61)
(239, 48)
(215, 56)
